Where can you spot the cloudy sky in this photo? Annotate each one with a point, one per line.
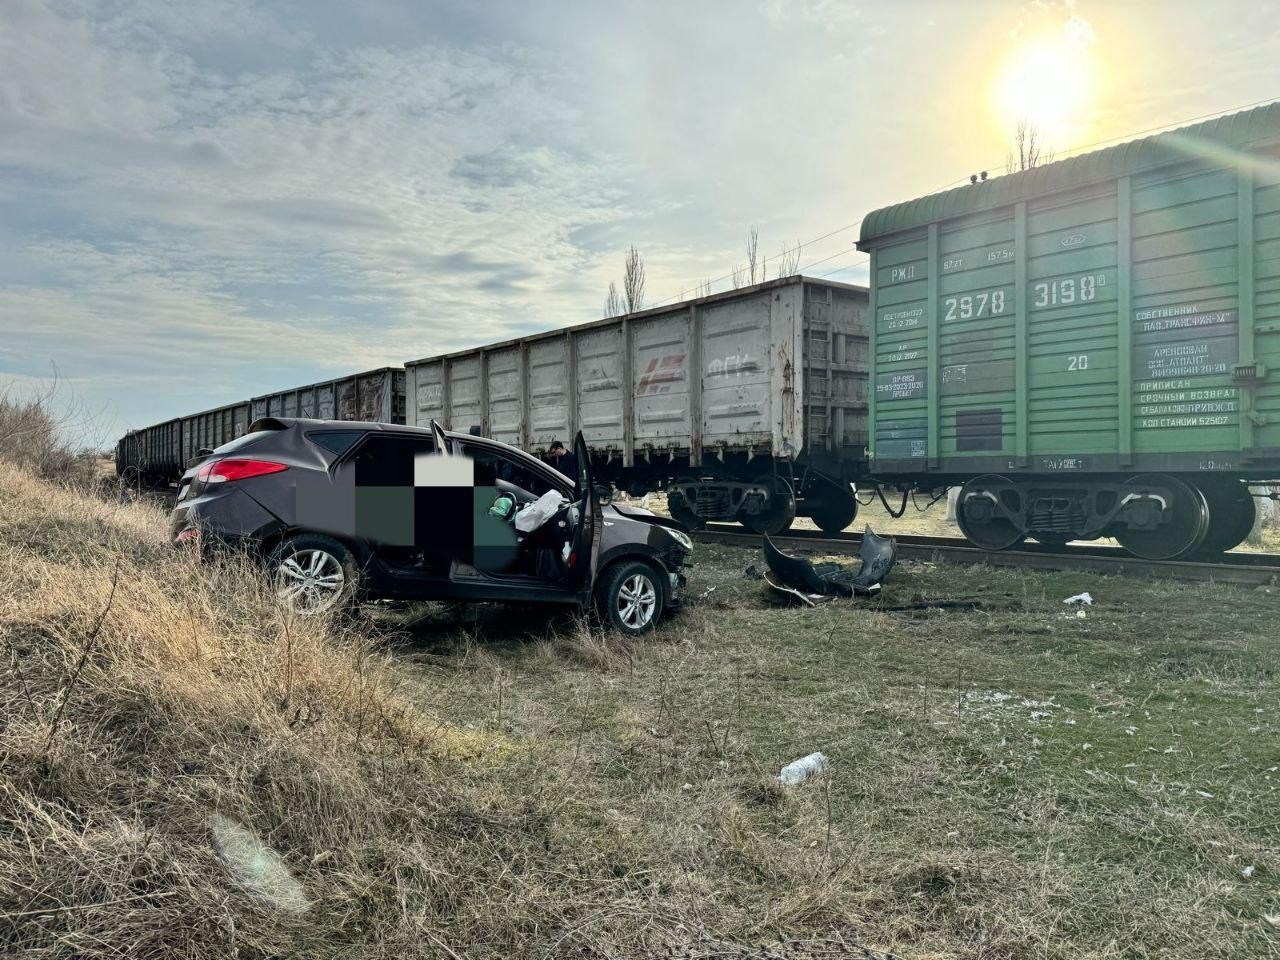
(200, 202)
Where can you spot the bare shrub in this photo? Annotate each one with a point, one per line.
(613, 302)
(633, 281)
(34, 437)
(1028, 150)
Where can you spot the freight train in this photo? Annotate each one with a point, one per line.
(157, 455)
(749, 405)
(1087, 349)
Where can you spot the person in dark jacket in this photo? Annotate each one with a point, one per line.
(563, 460)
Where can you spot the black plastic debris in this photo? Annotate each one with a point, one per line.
(813, 583)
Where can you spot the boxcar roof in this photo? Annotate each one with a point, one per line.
(1197, 141)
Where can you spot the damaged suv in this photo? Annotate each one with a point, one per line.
(340, 511)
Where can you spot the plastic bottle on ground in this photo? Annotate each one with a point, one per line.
(804, 768)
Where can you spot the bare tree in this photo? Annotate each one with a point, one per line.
(753, 254)
(1027, 151)
(703, 289)
(613, 302)
(789, 261)
(738, 276)
(633, 281)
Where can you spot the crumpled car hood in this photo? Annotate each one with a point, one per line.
(645, 516)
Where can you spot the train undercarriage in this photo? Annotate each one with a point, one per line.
(763, 494)
(1154, 516)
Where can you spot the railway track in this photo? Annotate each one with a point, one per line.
(1239, 568)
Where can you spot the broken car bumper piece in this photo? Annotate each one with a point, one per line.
(799, 577)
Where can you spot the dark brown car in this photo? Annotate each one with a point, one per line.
(340, 511)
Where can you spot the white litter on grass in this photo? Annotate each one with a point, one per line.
(1080, 614)
(256, 867)
(1247, 872)
(797, 771)
(1084, 598)
(1049, 704)
(1204, 793)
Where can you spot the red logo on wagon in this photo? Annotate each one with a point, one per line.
(661, 373)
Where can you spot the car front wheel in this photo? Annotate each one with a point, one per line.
(312, 574)
(632, 598)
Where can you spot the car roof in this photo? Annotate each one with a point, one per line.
(377, 426)
(282, 423)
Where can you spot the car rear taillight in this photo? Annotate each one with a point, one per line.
(236, 468)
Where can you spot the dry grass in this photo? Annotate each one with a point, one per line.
(186, 772)
(1008, 782)
(162, 719)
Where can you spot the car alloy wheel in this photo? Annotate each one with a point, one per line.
(637, 601)
(310, 581)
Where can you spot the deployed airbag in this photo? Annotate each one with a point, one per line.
(533, 516)
(835, 579)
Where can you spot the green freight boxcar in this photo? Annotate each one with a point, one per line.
(1091, 347)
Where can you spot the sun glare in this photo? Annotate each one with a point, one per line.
(1049, 81)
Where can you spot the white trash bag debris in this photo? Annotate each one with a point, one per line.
(531, 517)
(1078, 598)
(797, 771)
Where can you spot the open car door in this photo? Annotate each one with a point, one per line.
(584, 547)
(437, 432)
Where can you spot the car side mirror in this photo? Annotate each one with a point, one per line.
(604, 494)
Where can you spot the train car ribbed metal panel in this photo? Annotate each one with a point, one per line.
(548, 397)
(377, 395)
(162, 451)
(1111, 313)
(725, 373)
(601, 384)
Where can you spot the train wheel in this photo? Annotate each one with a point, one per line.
(781, 511)
(680, 510)
(980, 520)
(1232, 512)
(1184, 531)
(832, 509)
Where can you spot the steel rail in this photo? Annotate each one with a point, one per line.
(1245, 569)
